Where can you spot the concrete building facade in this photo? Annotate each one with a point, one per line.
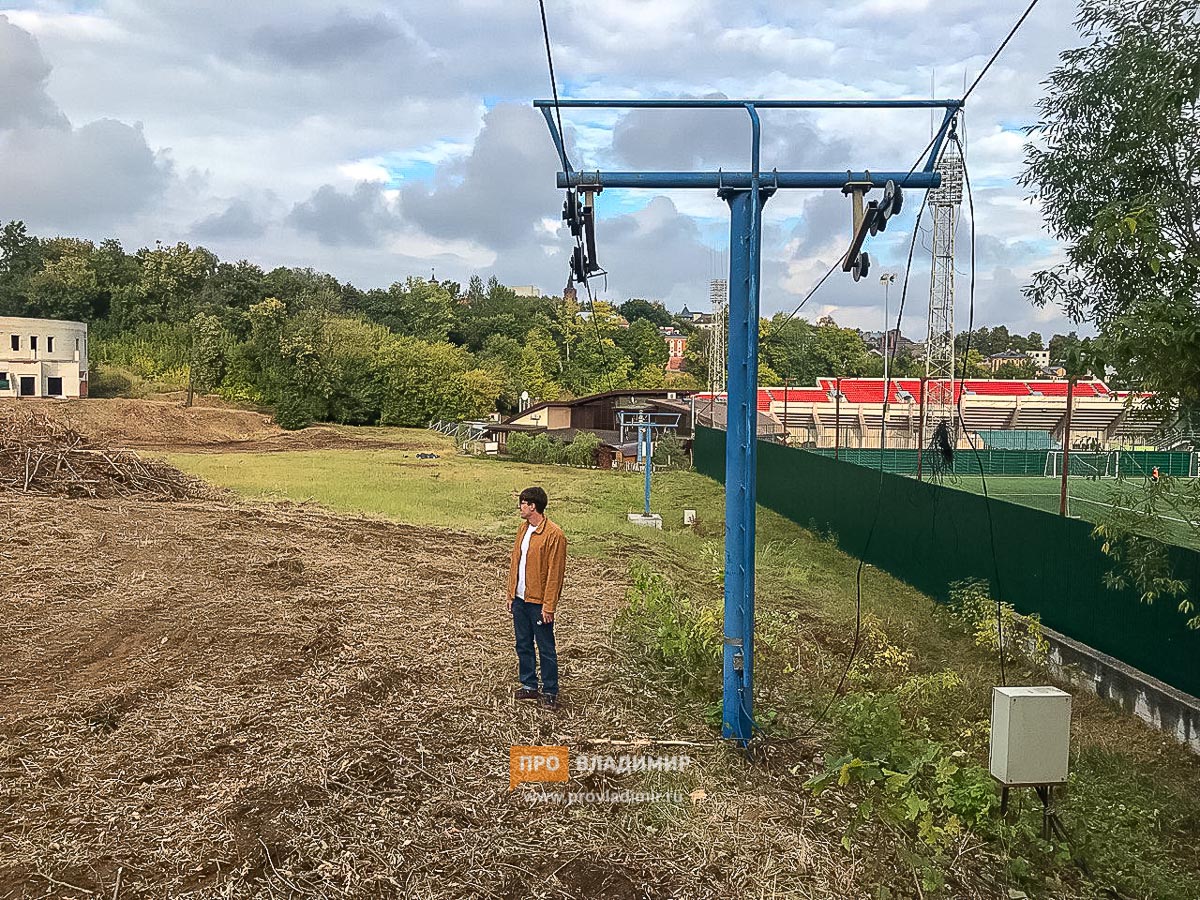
(43, 358)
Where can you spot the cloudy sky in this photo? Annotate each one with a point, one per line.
(376, 140)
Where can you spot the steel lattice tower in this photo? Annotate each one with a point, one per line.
(944, 203)
(718, 295)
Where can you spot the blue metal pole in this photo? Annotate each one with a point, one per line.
(740, 465)
(648, 451)
(557, 138)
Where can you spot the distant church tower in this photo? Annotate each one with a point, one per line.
(569, 292)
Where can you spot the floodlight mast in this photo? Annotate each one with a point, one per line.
(745, 192)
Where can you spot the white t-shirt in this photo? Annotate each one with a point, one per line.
(521, 569)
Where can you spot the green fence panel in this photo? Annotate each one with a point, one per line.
(966, 462)
(931, 536)
(999, 461)
(1140, 463)
(1016, 440)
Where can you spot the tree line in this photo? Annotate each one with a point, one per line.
(318, 349)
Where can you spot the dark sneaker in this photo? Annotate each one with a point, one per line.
(526, 694)
(548, 701)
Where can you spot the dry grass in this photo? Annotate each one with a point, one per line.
(212, 701)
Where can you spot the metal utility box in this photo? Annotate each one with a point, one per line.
(1031, 735)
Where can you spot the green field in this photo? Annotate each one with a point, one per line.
(1134, 800)
(1087, 499)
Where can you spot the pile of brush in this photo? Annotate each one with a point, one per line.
(44, 456)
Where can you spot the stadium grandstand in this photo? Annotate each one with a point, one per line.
(999, 414)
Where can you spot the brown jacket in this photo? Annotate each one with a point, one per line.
(545, 565)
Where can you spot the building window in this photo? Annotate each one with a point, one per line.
(16, 341)
(50, 343)
(3, 381)
(33, 342)
(54, 387)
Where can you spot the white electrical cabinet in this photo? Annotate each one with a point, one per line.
(1031, 735)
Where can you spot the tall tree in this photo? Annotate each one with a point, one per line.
(66, 287)
(1116, 166)
(637, 308)
(20, 258)
(643, 344)
(1062, 344)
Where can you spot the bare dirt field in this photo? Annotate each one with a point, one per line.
(203, 696)
(169, 425)
(211, 700)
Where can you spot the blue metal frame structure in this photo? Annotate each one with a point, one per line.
(646, 422)
(745, 193)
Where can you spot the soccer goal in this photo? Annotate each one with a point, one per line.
(1090, 464)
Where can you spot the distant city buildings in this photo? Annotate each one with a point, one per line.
(699, 319)
(676, 343)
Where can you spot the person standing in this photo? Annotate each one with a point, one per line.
(535, 581)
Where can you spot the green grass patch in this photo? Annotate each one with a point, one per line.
(915, 705)
(1087, 499)
(479, 495)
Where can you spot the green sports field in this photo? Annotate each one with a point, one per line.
(1087, 498)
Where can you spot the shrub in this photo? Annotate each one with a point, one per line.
(294, 411)
(582, 450)
(105, 383)
(676, 633)
(157, 352)
(913, 783)
(669, 453)
(535, 448)
(518, 446)
(975, 611)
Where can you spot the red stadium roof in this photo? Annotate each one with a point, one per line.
(870, 390)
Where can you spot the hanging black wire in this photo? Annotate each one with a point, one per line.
(987, 500)
(578, 238)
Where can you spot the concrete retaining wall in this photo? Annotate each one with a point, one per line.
(1157, 704)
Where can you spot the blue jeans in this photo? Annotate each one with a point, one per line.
(529, 629)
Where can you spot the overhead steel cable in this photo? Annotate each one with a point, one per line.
(920, 156)
(967, 93)
(553, 80)
(578, 238)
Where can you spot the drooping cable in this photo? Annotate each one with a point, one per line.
(776, 329)
(887, 391)
(967, 93)
(553, 81)
(578, 238)
(987, 500)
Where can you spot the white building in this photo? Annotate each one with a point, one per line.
(43, 358)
